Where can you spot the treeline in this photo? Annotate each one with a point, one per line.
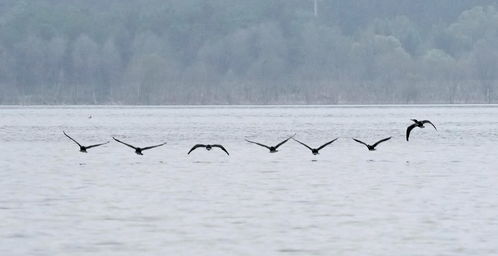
(248, 52)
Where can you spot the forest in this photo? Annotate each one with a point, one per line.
(248, 52)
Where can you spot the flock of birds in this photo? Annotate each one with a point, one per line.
(272, 149)
(316, 151)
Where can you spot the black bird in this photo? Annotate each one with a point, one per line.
(208, 147)
(84, 148)
(315, 151)
(138, 150)
(419, 124)
(372, 147)
(273, 149)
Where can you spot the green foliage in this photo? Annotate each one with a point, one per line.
(239, 51)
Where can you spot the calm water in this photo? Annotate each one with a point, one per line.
(436, 195)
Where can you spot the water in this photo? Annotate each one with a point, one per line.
(436, 195)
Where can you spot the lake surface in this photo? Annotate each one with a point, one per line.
(434, 195)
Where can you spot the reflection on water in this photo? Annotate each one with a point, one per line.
(435, 195)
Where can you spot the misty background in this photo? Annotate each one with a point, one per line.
(248, 52)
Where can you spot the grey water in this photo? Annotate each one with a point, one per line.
(434, 195)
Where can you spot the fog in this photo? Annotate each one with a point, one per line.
(248, 52)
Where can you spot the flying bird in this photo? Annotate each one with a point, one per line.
(138, 150)
(419, 124)
(208, 147)
(315, 151)
(273, 149)
(84, 148)
(372, 147)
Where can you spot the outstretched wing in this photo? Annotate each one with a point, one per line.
(326, 144)
(124, 143)
(409, 129)
(196, 146)
(259, 144)
(71, 138)
(380, 141)
(96, 145)
(303, 144)
(281, 143)
(150, 147)
(429, 122)
(361, 142)
(220, 146)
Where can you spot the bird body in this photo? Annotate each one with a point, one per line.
(138, 150)
(208, 147)
(373, 146)
(83, 149)
(316, 151)
(419, 124)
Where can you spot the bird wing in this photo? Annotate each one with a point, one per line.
(281, 143)
(259, 144)
(124, 143)
(96, 145)
(429, 122)
(71, 138)
(361, 142)
(151, 147)
(409, 129)
(303, 144)
(196, 146)
(220, 146)
(380, 141)
(326, 144)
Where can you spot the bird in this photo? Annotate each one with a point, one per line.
(138, 150)
(315, 151)
(372, 147)
(419, 124)
(273, 149)
(208, 147)
(83, 149)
